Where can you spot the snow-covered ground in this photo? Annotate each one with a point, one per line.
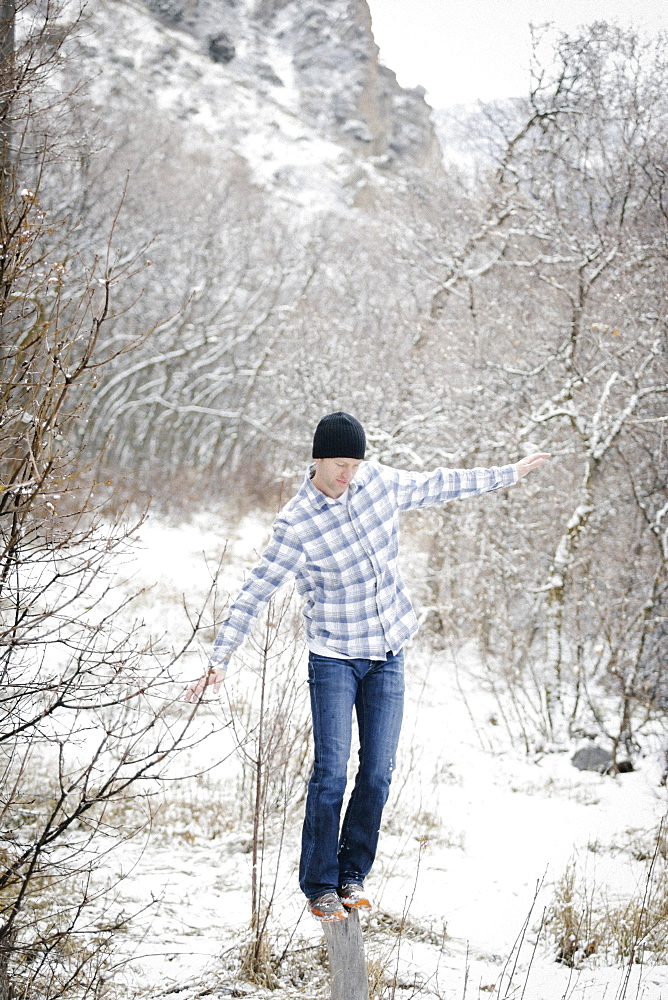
(476, 837)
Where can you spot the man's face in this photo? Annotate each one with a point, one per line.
(332, 475)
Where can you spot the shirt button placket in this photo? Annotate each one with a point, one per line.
(369, 556)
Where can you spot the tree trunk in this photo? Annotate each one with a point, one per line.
(7, 42)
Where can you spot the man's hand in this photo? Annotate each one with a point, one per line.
(531, 462)
(212, 676)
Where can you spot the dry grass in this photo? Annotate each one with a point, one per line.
(193, 814)
(433, 932)
(258, 962)
(285, 960)
(571, 922)
(583, 922)
(252, 487)
(385, 932)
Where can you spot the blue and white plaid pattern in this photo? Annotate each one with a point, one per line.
(344, 559)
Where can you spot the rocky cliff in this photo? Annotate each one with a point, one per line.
(318, 59)
(289, 92)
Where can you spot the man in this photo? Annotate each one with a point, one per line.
(339, 538)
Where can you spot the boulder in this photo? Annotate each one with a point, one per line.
(221, 48)
(592, 758)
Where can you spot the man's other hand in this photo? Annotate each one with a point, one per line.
(211, 677)
(531, 462)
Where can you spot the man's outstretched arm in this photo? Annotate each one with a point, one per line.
(417, 490)
(279, 561)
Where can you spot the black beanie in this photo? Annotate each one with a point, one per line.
(338, 435)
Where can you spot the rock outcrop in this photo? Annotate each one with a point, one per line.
(323, 54)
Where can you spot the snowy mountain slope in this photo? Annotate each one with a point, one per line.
(320, 59)
(299, 96)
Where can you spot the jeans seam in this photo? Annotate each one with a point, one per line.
(311, 849)
(342, 839)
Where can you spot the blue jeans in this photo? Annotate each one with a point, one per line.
(376, 690)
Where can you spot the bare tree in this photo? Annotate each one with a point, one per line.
(566, 333)
(87, 718)
(271, 731)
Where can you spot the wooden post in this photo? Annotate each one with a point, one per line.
(347, 961)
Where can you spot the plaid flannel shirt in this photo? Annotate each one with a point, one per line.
(344, 556)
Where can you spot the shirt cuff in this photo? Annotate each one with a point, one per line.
(507, 476)
(219, 658)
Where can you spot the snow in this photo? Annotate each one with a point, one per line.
(476, 834)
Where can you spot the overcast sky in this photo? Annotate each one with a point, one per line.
(468, 50)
